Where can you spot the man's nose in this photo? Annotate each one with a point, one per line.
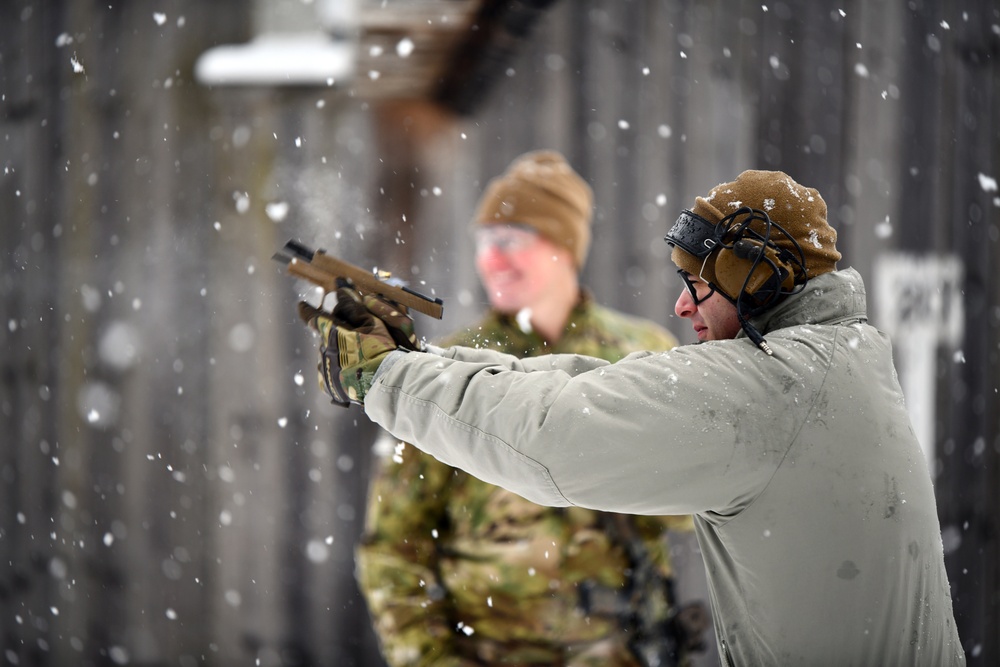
(685, 306)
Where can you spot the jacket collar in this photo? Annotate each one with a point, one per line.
(832, 298)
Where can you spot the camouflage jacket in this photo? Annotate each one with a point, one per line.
(459, 572)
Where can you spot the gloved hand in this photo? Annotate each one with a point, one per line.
(395, 317)
(354, 341)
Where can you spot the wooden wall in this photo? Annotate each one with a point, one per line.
(174, 490)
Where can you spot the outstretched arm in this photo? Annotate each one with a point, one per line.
(655, 433)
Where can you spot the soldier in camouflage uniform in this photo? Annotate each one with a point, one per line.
(458, 572)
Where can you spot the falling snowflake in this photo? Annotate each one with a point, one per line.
(404, 47)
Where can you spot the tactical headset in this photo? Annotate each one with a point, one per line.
(748, 267)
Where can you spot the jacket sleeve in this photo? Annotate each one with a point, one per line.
(677, 432)
(397, 561)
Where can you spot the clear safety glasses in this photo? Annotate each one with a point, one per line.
(504, 238)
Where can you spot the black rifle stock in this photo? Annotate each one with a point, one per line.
(325, 271)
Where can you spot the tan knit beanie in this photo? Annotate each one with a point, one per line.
(541, 190)
(801, 211)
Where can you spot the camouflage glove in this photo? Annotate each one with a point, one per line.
(395, 318)
(353, 344)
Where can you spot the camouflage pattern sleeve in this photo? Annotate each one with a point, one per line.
(397, 561)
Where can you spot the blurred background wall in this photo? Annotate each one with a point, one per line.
(175, 490)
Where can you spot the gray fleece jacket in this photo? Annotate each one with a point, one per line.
(813, 504)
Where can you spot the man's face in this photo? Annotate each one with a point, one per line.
(519, 268)
(712, 315)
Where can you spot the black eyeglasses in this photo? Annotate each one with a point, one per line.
(692, 288)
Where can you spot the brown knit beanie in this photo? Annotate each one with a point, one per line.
(541, 190)
(801, 211)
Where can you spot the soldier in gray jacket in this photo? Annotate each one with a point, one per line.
(784, 433)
